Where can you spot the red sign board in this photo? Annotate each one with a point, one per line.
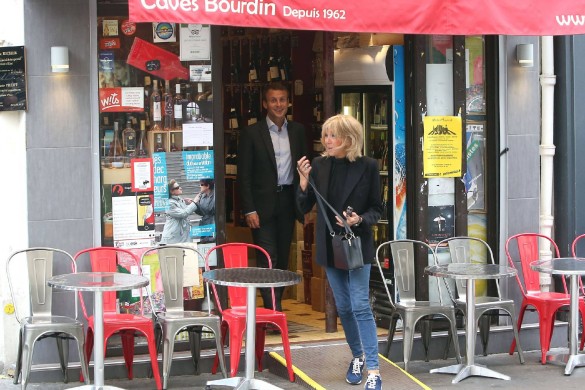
(124, 99)
(452, 17)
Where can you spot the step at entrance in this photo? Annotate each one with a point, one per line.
(322, 367)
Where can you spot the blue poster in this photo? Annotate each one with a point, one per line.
(161, 189)
(202, 231)
(198, 164)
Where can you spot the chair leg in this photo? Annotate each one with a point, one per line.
(235, 351)
(127, 337)
(407, 341)
(391, 331)
(286, 350)
(219, 347)
(223, 334)
(582, 310)
(81, 350)
(484, 331)
(27, 352)
(150, 341)
(518, 326)
(63, 348)
(18, 367)
(453, 325)
(167, 357)
(195, 347)
(88, 349)
(516, 336)
(426, 330)
(546, 329)
(260, 341)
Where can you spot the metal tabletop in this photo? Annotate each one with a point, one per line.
(252, 277)
(560, 266)
(98, 281)
(470, 271)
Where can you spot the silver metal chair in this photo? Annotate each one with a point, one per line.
(38, 321)
(408, 308)
(464, 249)
(174, 318)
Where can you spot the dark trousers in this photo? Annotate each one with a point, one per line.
(275, 235)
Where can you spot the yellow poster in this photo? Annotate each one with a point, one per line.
(442, 146)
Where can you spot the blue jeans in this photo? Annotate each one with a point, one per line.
(350, 289)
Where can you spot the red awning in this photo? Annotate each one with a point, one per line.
(452, 17)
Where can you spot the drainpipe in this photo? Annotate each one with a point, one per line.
(547, 152)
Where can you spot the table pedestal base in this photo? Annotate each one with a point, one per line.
(568, 360)
(241, 383)
(464, 371)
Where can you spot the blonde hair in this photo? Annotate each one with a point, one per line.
(349, 130)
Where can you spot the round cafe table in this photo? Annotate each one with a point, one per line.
(251, 278)
(98, 282)
(574, 267)
(470, 273)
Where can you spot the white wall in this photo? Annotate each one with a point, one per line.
(13, 198)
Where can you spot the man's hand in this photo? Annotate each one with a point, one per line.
(252, 220)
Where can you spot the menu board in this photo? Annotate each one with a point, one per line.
(12, 78)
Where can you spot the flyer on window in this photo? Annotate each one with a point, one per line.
(195, 40)
(442, 146)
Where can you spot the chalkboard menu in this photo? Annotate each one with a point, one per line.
(12, 79)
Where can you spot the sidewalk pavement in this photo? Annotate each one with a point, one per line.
(531, 375)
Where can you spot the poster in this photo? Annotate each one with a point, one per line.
(474, 177)
(197, 134)
(198, 164)
(127, 99)
(442, 146)
(164, 32)
(440, 223)
(195, 42)
(12, 79)
(142, 174)
(132, 217)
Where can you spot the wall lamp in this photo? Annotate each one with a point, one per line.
(525, 55)
(59, 59)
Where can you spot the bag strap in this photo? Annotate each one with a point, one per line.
(320, 199)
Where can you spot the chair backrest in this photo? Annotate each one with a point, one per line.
(527, 247)
(105, 259)
(575, 244)
(171, 260)
(41, 264)
(465, 249)
(403, 254)
(235, 255)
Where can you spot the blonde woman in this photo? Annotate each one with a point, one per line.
(347, 179)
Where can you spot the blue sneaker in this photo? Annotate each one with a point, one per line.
(355, 371)
(374, 382)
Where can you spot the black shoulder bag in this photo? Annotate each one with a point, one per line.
(347, 247)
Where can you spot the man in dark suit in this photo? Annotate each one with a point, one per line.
(267, 176)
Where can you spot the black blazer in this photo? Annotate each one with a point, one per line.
(362, 192)
(257, 173)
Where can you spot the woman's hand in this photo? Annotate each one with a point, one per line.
(304, 169)
(352, 220)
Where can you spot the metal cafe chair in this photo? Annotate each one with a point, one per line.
(234, 317)
(464, 249)
(105, 259)
(40, 322)
(174, 318)
(574, 246)
(409, 308)
(524, 248)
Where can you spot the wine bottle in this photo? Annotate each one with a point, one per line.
(252, 72)
(273, 70)
(159, 145)
(376, 114)
(129, 140)
(252, 114)
(147, 86)
(178, 108)
(289, 112)
(115, 154)
(383, 117)
(233, 119)
(156, 107)
(173, 146)
(168, 108)
(142, 147)
(385, 189)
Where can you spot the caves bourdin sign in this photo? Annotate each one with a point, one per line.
(12, 79)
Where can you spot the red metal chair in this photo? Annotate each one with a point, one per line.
(574, 254)
(545, 303)
(105, 259)
(234, 317)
